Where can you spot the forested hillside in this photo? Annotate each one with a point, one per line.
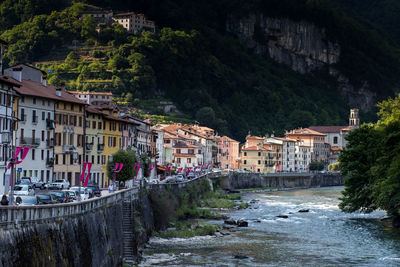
(193, 61)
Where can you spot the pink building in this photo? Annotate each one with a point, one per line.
(228, 153)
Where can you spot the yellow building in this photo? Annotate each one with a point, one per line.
(112, 130)
(69, 136)
(94, 145)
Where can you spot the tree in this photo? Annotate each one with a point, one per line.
(128, 158)
(371, 164)
(316, 166)
(206, 115)
(88, 27)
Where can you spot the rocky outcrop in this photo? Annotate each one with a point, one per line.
(300, 45)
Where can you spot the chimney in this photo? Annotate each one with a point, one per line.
(59, 89)
(44, 80)
(17, 73)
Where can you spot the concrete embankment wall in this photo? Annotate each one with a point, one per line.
(89, 233)
(255, 180)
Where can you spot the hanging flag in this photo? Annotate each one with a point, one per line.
(169, 169)
(179, 170)
(83, 172)
(89, 164)
(137, 171)
(15, 156)
(202, 167)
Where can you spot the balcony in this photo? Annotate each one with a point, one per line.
(269, 163)
(50, 124)
(68, 149)
(35, 120)
(23, 119)
(100, 147)
(50, 162)
(89, 146)
(33, 142)
(50, 143)
(5, 138)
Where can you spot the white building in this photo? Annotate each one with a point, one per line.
(7, 122)
(288, 152)
(160, 150)
(36, 126)
(134, 23)
(142, 136)
(302, 157)
(93, 98)
(186, 155)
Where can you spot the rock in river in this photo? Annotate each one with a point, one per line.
(230, 221)
(242, 223)
(304, 210)
(282, 216)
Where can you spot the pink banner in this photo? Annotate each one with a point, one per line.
(83, 172)
(202, 167)
(179, 170)
(169, 169)
(118, 167)
(138, 168)
(87, 176)
(151, 167)
(17, 150)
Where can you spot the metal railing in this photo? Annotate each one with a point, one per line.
(68, 148)
(34, 142)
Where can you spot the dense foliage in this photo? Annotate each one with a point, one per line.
(193, 61)
(371, 162)
(126, 157)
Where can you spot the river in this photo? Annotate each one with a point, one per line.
(324, 236)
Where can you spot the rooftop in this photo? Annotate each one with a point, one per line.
(304, 131)
(327, 129)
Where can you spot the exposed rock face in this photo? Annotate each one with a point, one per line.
(300, 45)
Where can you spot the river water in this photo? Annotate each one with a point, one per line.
(324, 236)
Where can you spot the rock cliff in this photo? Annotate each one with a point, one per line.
(300, 45)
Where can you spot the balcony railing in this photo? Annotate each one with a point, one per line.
(50, 143)
(50, 162)
(35, 119)
(23, 118)
(50, 123)
(68, 148)
(33, 142)
(100, 147)
(89, 146)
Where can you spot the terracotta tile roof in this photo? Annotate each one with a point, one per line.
(254, 137)
(185, 155)
(327, 129)
(124, 14)
(335, 148)
(267, 147)
(92, 109)
(8, 80)
(89, 93)
(254, 148)
(304, 131)
(31, 88)
(230, 139)
(285, 139)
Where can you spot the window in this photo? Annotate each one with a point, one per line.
(259, 162)
(42, 155)
(42, 135)
(189, 160)
(94, 125)
(178, 151)
(259, 154)
(34, 100)
(335, 140)
(244, 162)
(57, 159)
(33, 154)
(34, 119)
(245, 154)
(178, 160)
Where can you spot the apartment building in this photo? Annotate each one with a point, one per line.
(228, 153)
(69, 136)
(93, 98)
(36, 128)
(8, 118)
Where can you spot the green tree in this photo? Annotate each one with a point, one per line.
(206, 115)
(88, 27)
(128, 158)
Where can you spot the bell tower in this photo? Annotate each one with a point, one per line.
(354, 120)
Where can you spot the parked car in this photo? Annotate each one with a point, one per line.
(171, 180)
(84, 193)
(37, 183)
(75, 195)
(24, 189)
(95, 189)
(191, 175)
(179, 178)
(61, 196)
(46, 199)
(26, 200)
(59, 184)
(25, 180)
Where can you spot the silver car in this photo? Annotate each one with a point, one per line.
(24, 190)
